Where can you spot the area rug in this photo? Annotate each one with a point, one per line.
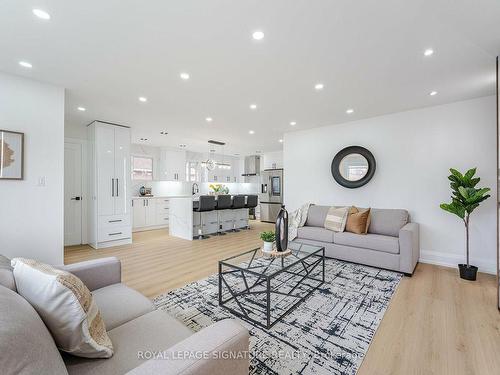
(329, 333)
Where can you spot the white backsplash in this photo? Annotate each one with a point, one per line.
(164, 188)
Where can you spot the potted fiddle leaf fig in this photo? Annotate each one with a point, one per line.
(465, 199)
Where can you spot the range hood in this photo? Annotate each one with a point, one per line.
(252, 165)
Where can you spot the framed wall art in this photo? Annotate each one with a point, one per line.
(11, 155)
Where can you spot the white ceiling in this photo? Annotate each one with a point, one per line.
(368, 54)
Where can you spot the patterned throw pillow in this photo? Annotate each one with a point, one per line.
(336, 218)
(66, 306)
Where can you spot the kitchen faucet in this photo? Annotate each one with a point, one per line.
(195, 189)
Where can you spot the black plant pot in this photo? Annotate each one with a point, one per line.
(467, 273)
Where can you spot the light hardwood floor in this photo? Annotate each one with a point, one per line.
(436, 323)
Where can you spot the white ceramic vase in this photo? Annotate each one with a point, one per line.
(268, 247)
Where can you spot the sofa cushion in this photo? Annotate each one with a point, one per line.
(119, 304)
(26, 346)
(6, 274)
(315, 233)
(66, 306)
(377, 242)
(154, 331)
(387, 222)
(316, 216)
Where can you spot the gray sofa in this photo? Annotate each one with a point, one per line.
(136, 329)
(392, 241)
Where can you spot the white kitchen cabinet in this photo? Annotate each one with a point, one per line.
(109, 184)
(139, 213)
(149, 213)
(172, 165)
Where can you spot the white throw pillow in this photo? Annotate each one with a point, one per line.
(66, 306)
(336, 218)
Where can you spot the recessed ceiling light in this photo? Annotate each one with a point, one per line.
(182, 145)
(349, 111)
(184, 76)
(41, 14)
(25, 64)
(293, 123)
(83, 109)
(253, 106)
(280, 141)
(319, 86)
(143, 99)
(258, 35)
(432, 93)
(251, 132)
(428, 52)
(209, 119)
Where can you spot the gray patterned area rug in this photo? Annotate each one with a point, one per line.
(329, 333)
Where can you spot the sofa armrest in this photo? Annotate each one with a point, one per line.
(409, 247)
(221, 348)
(96, 273)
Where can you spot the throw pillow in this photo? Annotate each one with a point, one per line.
(66, 306)
(336, 218)
(357, 222)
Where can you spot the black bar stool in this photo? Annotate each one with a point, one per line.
(238, 203)
(252, 202)
(205, 204)
(223, 203)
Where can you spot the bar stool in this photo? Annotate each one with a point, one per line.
(223, 203)
(205, 204)
(252, 202)
(238, 203)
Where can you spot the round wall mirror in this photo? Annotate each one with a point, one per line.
(353, 166)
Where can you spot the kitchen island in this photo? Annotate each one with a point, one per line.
(184, 223)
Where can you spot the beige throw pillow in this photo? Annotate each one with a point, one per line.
(66, 306)
(336, 218)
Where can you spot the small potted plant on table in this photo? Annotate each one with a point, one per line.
(268, 238)
(465, 199)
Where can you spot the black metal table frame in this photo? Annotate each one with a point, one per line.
(261, 278)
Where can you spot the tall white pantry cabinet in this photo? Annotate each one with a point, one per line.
(110, 204)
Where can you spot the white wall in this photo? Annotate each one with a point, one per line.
(413, 151)
(32, 216)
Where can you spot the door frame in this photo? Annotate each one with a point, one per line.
(84, 181)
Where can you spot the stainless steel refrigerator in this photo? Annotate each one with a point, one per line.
(271, 194)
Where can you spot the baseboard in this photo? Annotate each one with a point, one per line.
(451, 260)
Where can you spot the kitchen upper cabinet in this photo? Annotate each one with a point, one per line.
(172, 165)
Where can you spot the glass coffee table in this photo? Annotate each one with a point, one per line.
(263, 289)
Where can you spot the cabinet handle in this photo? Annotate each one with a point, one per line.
(114, 221)
(117, 194)
(144, 202)
(115, 234)
(112, 187)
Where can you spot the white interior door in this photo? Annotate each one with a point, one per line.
(72, 194)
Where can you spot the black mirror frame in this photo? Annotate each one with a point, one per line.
(353, 150)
